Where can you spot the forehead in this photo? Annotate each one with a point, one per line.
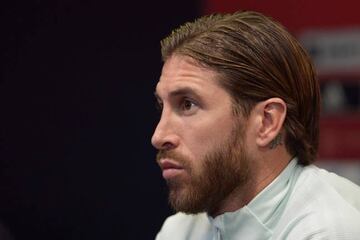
(183, 72)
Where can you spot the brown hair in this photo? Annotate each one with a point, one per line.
(257, 59)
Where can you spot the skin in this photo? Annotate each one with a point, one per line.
(188, 117)
(197, 116)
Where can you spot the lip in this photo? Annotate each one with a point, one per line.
(170, 168)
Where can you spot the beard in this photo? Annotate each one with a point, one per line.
(222, 170)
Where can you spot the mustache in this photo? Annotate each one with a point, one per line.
(179, 158)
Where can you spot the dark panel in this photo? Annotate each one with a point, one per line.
(77, 116)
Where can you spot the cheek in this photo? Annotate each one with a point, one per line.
(207, 136)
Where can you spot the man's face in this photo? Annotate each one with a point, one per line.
(200, 140)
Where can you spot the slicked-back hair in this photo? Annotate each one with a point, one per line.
(256, 59)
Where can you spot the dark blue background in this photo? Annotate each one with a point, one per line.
(77, 115)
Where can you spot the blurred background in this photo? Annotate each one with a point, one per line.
(77, 107)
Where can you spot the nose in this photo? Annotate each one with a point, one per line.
(165, 137)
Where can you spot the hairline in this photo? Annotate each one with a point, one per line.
(238, 108)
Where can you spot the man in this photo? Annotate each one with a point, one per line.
(238, 133)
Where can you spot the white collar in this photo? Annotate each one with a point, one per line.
(257, 218)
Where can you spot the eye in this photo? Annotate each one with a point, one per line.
(188, 106)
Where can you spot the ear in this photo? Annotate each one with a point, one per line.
(271, 115)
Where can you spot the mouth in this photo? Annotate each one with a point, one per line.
(170, 168)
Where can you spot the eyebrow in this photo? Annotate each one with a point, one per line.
(179, 92)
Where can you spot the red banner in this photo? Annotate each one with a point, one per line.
(296, 15)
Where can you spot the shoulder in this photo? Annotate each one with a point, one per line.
(349, 191)
(328, 189)
(322, 205)
(182, 226)
(316, 225)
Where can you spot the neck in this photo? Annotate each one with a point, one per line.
(262, 173)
